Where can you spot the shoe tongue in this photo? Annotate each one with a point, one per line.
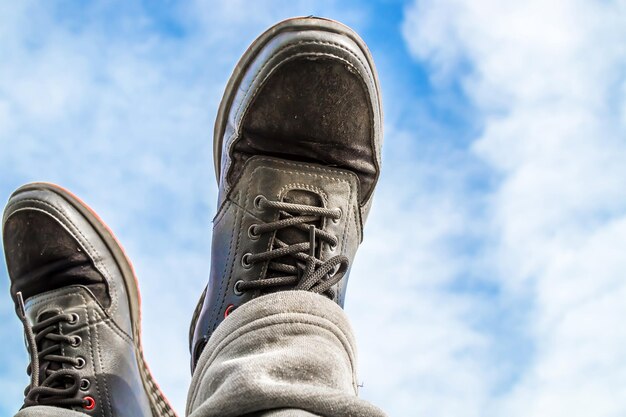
(306, 197)
(293, 235)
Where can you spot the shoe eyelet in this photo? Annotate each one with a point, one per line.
(340, 211)
(245, 260)
(229, 310)
(73, 319)
(84, 384)
(236, 289)
(257, 202)
(251, 234)
(80, 363)
(333, 246)
(91, 403)
(76, 341)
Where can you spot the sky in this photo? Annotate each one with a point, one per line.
(491, 279)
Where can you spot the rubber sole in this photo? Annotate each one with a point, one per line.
(158, 402)
(289, 25)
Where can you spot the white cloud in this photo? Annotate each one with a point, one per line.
(548, 79)
(421, 351)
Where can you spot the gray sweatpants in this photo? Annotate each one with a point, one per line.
(290, 353)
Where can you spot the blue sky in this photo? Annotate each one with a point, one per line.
(490, 281)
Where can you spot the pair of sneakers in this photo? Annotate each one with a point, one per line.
(297, 156)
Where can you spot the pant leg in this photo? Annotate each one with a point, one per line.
(47, 411)
(278, 354)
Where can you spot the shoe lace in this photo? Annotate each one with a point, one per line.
(50, 383)
(298, 265)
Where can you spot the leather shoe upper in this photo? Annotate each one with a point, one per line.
(297, 148)
(77, 297)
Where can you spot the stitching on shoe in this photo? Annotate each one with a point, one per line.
(101, 318)
(343, 244)
(299, 186)
(297, 165)
(270, 241)
(222, 210)
(300, 165)
(104, 379)
(319, 42)
(51, 296)
(226, 268)
(91, 352)
(115, 328)
(91, 246)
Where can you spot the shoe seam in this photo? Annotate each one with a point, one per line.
(91, 350)
(104, 378)
(227, 268)
(105, 320)
(299, 186)
(343, 245)
(53, 294)
(340, 173)
(222, 210)
(348, 175)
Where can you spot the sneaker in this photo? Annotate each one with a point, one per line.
(297, 155)
(77, 297)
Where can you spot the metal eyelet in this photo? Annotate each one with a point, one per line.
(236, 289)
(340, 215)
(251, 234)
(80, 363)
(333, 246)
(84, 384)
(76, 341)
(73, 319)
(257, 202)
(245, 262)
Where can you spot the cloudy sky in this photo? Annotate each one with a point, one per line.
(492, 277)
